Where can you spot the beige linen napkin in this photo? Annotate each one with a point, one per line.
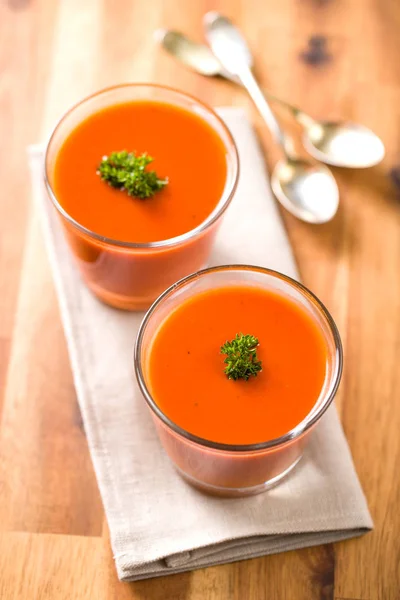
(159, 524)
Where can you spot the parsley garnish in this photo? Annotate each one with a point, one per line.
(241, 357)
(126, 171)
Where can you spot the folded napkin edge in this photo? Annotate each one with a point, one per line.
(142, 570)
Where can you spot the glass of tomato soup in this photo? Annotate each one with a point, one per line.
(237, 365)
(140, 175)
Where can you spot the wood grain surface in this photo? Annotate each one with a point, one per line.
(53, 536)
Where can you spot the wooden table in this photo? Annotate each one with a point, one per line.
(54, 541)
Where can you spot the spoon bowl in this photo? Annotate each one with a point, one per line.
(306, 190)
(343, 144)
(197, 57)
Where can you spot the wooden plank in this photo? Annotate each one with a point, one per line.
(50, 566)
(18, 125)
(46, 476)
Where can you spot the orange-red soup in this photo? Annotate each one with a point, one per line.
(185, 369)
(185, 148)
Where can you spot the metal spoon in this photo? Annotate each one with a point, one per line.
(309, 191)
(343, 144)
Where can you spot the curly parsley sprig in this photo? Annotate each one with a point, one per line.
(126, 171)
(241, 357)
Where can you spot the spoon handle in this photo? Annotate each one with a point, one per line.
(301, 117)
(249, 82)
(297, 113)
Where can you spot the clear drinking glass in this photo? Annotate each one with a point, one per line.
(132, 275)
(225, 469)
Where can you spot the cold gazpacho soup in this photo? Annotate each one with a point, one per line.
(277, 383)
(237, 365)
(134, 174)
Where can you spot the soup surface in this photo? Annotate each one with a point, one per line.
(185, 148)
(185, 370)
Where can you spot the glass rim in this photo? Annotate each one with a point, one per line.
(221, 206)
(311, 418)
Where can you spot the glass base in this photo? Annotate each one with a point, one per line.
(227, 492)
(118, 301)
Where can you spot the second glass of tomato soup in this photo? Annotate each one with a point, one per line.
(140, 175)
(237, 364)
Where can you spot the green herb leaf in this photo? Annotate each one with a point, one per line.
(126, 171)
(241, 357)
